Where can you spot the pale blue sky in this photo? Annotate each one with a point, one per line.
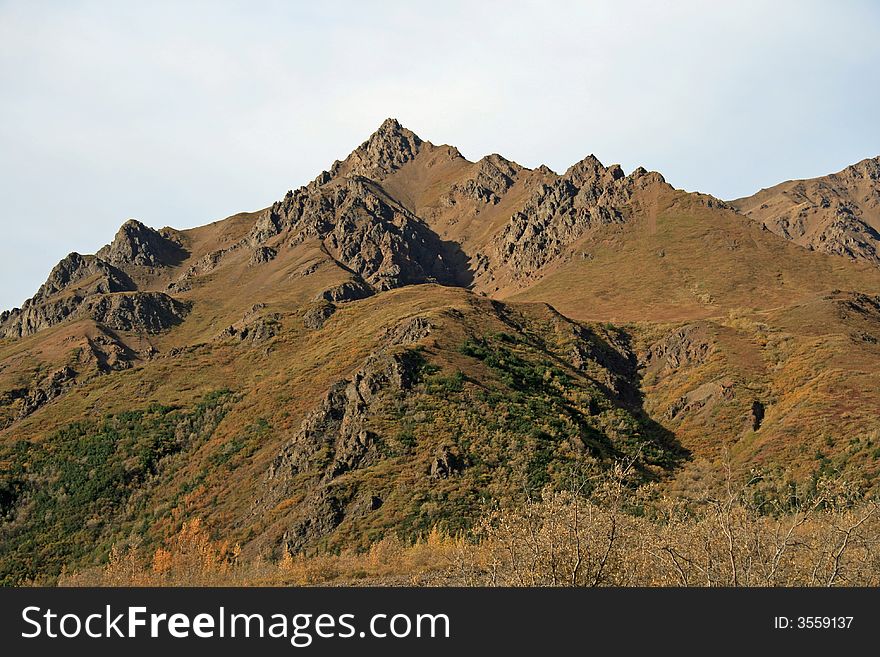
(181, 113)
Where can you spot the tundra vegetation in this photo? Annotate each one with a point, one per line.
(600, 531)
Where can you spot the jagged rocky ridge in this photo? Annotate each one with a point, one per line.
(384, 244)
(495, 175)
(387, 245)
(387, 149)
(558, 214)
(93, 286)
(74, 279)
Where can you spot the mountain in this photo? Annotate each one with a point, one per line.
(412, 335)
(838, 213)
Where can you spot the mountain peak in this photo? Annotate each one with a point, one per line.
(390, 125)
(137, 244)
(589, 168)
(391, 133)
(387, 149)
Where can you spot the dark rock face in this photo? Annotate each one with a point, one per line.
(150, 312)
(756, 415)
(33, 317)
(76, 268)
(269, 224)
(386, 245)
(137, 244)
(349, 291)
(90, 286)
(446, 463)
(865, 305)
(107, 353)
(361, 226)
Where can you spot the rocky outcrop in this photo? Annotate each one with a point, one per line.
(341, 419)
(409, 332)
(703, 397)
(140, 245)
(89, 286)
(269, 223)
(363, 229)
(74, 279)
(254, 327)
(847, 235)
(107, 353)
(34, 317)
(89, 274)
(335, 438)
(317, 314)
(447, 462)
(384, 243)
(687, 346)
(866, 306)
(46, 390)
(261, 255)
(493, 176)
(348, 291)
(206, 264)
(148, 312)
(563, 210)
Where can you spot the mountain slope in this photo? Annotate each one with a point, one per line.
(412, 335)
(403, 411)
(838, 213)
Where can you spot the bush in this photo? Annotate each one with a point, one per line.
(65, 497)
